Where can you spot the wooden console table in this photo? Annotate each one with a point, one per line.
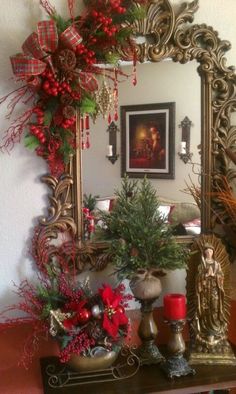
(151, 380)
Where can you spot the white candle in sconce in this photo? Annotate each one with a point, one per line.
(109, 150)
(182, 147)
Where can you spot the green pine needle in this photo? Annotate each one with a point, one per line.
(31, 142)
(52, 104)
(88, 105)
(64, 340)
(47, 118)
(61, 23)
(123, 34)
(112, 58)
(89, 201)
(67, 150)
(46, 311)
(135, 12)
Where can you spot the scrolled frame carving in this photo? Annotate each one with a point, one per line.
(166, 33)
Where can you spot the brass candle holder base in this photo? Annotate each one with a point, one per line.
(176, 365)
(148, 352)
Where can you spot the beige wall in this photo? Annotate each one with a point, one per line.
(157, 83)
(23, 197)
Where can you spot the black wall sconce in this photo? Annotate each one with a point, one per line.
(112, 147)
(184, 150)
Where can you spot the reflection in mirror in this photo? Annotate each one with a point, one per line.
(156, 83)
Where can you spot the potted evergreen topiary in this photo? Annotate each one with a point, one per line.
(140, 237)
(143, 248)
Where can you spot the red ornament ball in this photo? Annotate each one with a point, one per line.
(83, 316)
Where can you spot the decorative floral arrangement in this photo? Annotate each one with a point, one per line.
(225, 210)
(59, 68)
(82, 322)
(225, 213)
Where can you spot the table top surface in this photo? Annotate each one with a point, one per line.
(150, 379)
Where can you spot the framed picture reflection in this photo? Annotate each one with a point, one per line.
(148, 140)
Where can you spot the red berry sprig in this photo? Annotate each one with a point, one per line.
(86, 55)
(39, 114)
(116, 6)
(37, 128)
(37, 131)
(67, 123)
(104, 22)
(52, 86)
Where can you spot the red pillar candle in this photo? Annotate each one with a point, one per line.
(174, 306)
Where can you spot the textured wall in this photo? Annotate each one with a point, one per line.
(23, 198)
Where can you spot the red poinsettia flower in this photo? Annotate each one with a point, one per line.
(114, 314)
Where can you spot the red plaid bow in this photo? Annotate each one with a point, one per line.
(88, 81)
(38, 47)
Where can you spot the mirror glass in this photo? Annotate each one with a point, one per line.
(156, 83)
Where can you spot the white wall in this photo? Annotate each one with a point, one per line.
(23, 197)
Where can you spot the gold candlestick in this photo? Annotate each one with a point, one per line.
(148, 352)
(176, 364)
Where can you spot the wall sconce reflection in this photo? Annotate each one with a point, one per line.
(112, 147)
(184, 148)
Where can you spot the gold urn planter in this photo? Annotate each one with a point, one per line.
(100, 359)
(145, 284)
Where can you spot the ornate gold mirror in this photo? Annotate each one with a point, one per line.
(164, 33)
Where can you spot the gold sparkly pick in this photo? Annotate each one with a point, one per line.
(56, 321)
(104, 99)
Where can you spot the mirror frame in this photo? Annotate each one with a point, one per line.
(165, 33)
